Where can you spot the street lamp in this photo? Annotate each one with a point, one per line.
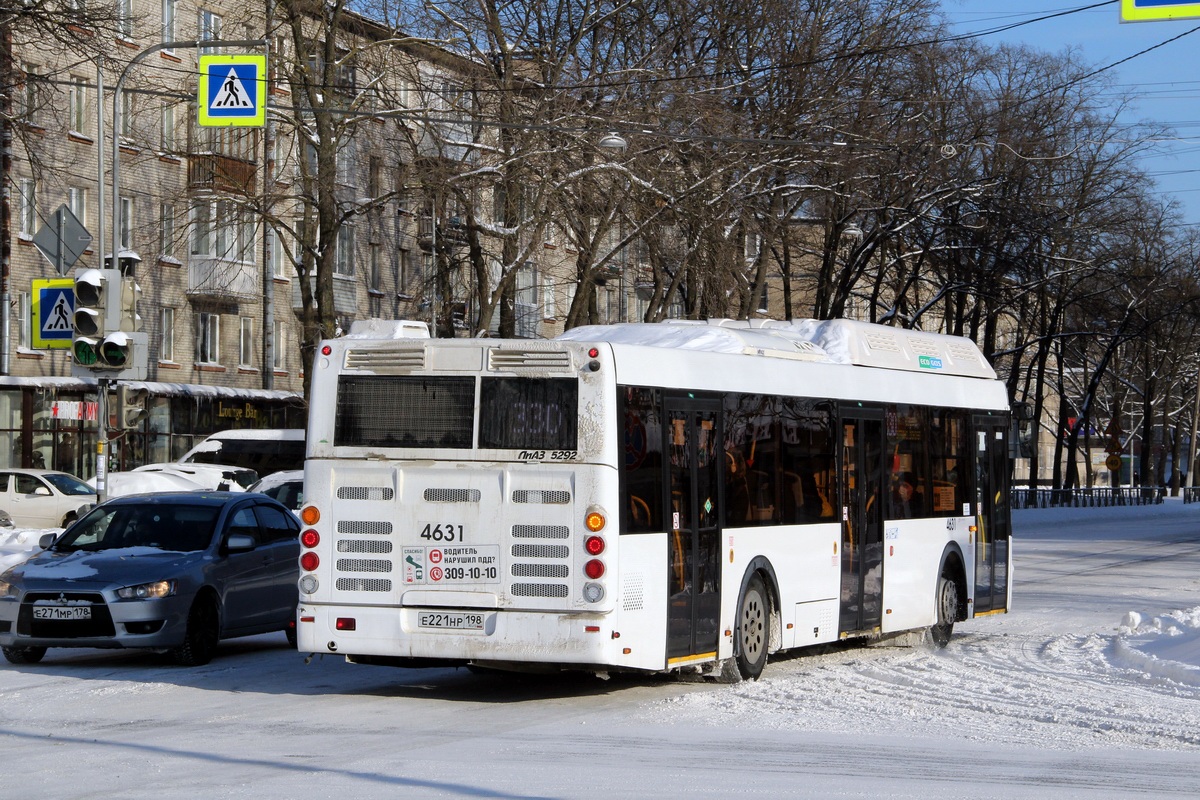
(613, 143)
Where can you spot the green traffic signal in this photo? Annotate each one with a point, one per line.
(85, 353)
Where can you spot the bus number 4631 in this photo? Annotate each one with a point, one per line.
(442, 533)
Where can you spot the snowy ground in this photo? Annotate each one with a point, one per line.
(1090, 688)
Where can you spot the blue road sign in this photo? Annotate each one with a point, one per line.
(53, 312)
(232, 91)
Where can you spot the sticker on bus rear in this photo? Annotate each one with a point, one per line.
(436, 566)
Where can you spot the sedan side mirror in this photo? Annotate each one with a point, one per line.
(46, 540)
(240, 543)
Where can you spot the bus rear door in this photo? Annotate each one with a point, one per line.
(862, 498)
(693, 443)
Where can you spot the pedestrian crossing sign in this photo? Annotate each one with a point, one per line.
(233, 91)
(52, 313)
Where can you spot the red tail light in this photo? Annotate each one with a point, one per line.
(594, 568)
(309, 561)
(346, 624)
(594, 545)
(310, 538)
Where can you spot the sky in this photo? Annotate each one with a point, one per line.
(1166, 80)
(1089, 688)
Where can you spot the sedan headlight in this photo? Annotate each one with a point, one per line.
(8, 590)
(147, 591)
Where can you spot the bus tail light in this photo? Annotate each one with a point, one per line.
(594, 521)
(594, 545)
(309, 585)
(310, 538)
(309, 561)
(346, 624)
(593, 592)
(309, 515)
(594, 569)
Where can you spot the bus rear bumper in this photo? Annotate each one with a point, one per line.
(461, 635)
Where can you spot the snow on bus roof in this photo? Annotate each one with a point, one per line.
(839, 341)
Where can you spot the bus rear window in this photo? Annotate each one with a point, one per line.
(402, 411)
(528, 413)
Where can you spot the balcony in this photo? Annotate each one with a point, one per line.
(450, 232)
(223, 280)
(221, 173)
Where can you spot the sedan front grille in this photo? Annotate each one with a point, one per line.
(100, 623)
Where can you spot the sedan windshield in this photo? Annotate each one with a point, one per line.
(68, 484)
(180, 528)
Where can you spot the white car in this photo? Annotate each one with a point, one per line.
(287, 487)
(43, 498)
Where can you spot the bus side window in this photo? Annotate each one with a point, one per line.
(642, 475)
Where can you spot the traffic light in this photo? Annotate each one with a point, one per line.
(131, 406)
(106, 343)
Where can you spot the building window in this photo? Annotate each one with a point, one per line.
(210, 29)
(280, 347)
(23, 323)
(527, 301)
(28, 208)
(763, 298)
(125, 18)
(548, 305)
(77, 202)
(127, 222)
(345, 159)
(126, 115)
(208, 338)
(343, 258)
(168, 20)
(166, 230)
(376, 268)
(76, 105)
(166, 341)
(246, 350)
(374, 171)
(166, 142)
(32, 97)
(222, 230)
(278, 261)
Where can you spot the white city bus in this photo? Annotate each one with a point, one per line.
(650, 497)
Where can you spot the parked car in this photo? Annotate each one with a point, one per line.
(287, 487)
(43, 498)
(6, 520)
(214, 477)
(264, 450)
(170, 572)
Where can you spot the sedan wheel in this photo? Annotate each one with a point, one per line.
(24, 655)
(203, 632)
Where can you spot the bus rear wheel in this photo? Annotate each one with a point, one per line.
(753, 629)
(947, 610)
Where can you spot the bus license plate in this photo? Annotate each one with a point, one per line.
(451, 621)
(62, 612)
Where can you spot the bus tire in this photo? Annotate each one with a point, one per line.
(753, 629)
(947, 610)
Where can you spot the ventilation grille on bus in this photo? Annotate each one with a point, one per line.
(363, 585)
(544, 496)
(369, 546)
(541, 551)
(963, 353)
(363, 565)
(528, 359)
(633, 590)
(924, 347)
(539, 589)
(408, 358)
(539, 570)
(364, 527)
(540, 554)
(365, 493)
(451, 495)
(882, 341)
(541, 532)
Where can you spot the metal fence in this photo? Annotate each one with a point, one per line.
(1093, 497)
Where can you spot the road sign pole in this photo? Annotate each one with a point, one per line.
(102, 441)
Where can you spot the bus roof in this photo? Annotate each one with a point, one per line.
(836, 341)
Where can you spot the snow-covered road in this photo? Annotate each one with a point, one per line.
(1091, 688)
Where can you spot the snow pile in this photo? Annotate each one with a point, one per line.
(1166, 646)
(17, 545)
